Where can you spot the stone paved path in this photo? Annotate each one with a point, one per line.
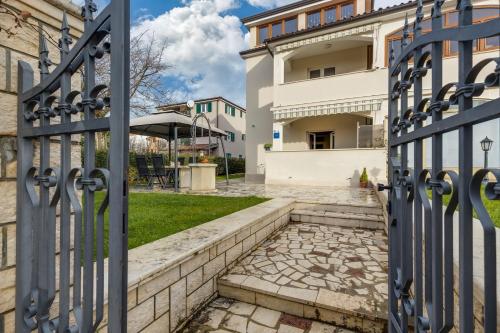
(333, 267)
(224, 315)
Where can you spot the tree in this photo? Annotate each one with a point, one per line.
(147, 70)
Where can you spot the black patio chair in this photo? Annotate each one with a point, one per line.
(160, 172)
(143, 171)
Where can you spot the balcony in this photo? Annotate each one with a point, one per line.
(340, 93)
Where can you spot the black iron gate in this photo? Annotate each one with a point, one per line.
(421, 244)
(61, 280)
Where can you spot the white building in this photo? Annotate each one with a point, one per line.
(317, 87)
(222, 114)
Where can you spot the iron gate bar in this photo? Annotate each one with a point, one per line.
(478, 30)
(82, 311)
(413, 280)
(475, 115)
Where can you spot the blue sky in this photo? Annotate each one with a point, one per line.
(203, 39)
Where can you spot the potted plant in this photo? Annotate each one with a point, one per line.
(268, 146)
(363, 179)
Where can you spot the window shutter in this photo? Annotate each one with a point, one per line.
(209, 108)
(233, 110)
(198, 108)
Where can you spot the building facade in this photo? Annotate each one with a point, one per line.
(317, 76)
(224, 115)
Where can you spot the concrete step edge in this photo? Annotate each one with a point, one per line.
(298, 300)
(364, 217)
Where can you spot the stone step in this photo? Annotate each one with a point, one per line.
(352, 220)
(334, 274)
(310, 304)
(371, 209)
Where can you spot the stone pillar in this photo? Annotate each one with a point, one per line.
(278, 133)
(42, 16)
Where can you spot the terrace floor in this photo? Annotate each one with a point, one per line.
(316, 194)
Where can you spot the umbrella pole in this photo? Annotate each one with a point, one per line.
(225, 159)
(176, 172)
(169, 150)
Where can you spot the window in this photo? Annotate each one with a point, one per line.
(276, 29)
(313, 19)
(450, 48)
(331, 15)
(291, 25)
(263, 34)
(369, 57)
(329, 71)
(492, 42)
(230, 110)
(243, 137)
(241, 114)
(204, 107)
(453, 47)
(240, 156)
(228, 155)
(314, 74)
(230, 136)
(347, 10)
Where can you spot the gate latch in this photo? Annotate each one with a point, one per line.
(382, 187)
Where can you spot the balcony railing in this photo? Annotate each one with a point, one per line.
(367, 84)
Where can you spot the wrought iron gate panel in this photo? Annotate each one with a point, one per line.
(57, 194)
(420, 230)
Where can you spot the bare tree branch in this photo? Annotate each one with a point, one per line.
(147, 68)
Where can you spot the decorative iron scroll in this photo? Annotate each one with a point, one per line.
(61, 269)
(421, 244)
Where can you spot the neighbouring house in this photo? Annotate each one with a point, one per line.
(317, 81)
(223, 114)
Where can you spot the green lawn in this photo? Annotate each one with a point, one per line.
(493, 207)
(156, 215)
(231, 176)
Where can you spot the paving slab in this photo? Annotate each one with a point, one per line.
(219, 316)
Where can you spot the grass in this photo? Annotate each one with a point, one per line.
(231, 176)
(493, 207)
(156, 215)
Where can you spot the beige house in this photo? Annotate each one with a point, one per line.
(223, 114)
(317, 87)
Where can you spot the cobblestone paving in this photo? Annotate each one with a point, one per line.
(224, 315)
(341, 268)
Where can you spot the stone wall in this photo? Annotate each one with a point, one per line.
(172, 278)
(22, 44)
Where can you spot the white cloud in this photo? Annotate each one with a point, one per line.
(203, 45)
(269, 3)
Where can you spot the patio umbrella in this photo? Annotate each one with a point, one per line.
(172, 126)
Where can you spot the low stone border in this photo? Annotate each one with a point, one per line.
(172, 278)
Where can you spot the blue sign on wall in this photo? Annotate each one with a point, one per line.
(276, 135)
